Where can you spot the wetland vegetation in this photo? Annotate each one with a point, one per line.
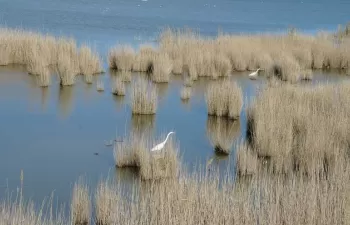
(291, 167)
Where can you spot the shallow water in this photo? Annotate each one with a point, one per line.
(53, 133)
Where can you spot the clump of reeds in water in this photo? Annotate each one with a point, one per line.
(185, 93)
(106, 203)
(65, 71)
(88, 78)
(144, 59)
(118, 86)
(81, 204)
(161, 68)
(89, 62)
(135, 152)
(121, 58)
(224, 98)
(221, 133)
(298, 127)
(285, 68)
(246, 160)
(143, 97)
(100, 86)
(44, 77)
(124, 75)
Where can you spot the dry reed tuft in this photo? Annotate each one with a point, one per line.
(100, 86)
(224, 99)
(185, 93)
(222, 133)
(135, 152)
(65, 71)
(88, 78)
(89, 62)
(81, 204)
(144, 97)
(161, 68)
(121, 58)
(298, 127)
(246, 160)
(106, 203)
(118, 86)
(44, 78)
(144, 59)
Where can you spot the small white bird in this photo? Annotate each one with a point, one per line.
(254, 74)
(160, 146)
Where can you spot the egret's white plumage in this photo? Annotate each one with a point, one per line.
(254, 74)
(160, 146)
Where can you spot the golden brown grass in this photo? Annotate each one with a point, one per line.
(246, 160)
(224, 98)
(144, 59)
(106, 203)
(65, 71)
(121, 58)
(44, 78)
(118, 86)
(81, 204)
(143, 97)
(35, 51)
(161, 68)
(185, 93)
(222, 133)
(135, 152)
(299, 128)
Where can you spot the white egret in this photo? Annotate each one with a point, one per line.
(160, 146)
(254, 74)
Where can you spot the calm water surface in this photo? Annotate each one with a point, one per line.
(53, 133)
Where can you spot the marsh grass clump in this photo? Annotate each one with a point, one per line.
(88, 78)
(285, 68)
(89, 61)
(65, 71)
(81, 204)
(106, 203)
(224, 99)
(143, 97)
(298, 128)
(121, 58)
(100, 86)
(222, 133)
(144, 59)
(246, 160)
(135, 152)
(128, 152)
(44, 77)
(118, 86)
(185, 93)
(161, 68)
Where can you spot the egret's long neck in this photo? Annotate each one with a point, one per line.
(166, 139)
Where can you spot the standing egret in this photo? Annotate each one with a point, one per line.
(254, 74)
(160, 146)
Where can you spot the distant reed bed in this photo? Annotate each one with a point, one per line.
(38, 52)
(288, 56)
